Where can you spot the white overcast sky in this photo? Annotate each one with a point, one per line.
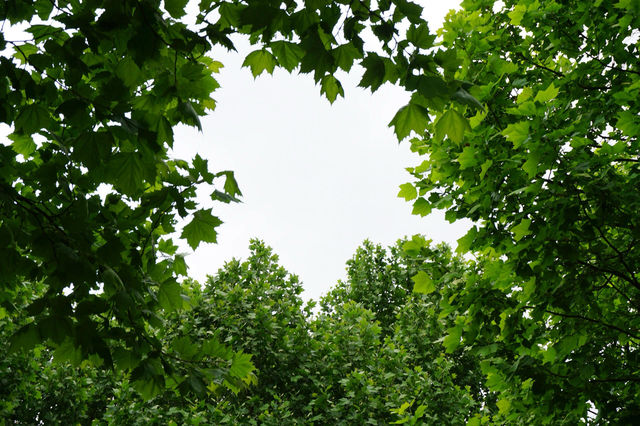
(317, 179)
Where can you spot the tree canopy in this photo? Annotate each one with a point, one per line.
(526, 113)
(549, 170)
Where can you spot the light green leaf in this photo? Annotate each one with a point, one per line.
(201, 228)
(516, 133)
(464, 243)
(503, 405)
(22, 144)
(423, 283)
(331, 88)
(241, 365)
(468, 157)
(531, 165)
(522, 229)
(526, 93)
(409, 118)
(407, 191)
(477, 119)
(421, 207)
(452, 339)
(485, 166)
(453, 125)
(628, 123)
(517, 14)
(259, 61)
(546, 95)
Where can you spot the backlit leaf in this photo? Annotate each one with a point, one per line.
(259, 61)
(201, 228)
(411, 117)
(453, 125)
(423, 283)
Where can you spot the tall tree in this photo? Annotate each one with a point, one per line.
(548, 169)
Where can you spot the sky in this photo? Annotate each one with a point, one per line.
(317, 179)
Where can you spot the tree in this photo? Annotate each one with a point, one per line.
(548, 169)
(89, 198)
(335, 366)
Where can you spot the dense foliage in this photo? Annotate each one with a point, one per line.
(549, 170)
(527, 113)
(337, 366)
(89, 198)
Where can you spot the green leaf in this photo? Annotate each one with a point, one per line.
(176, 8)
(517, 14)
(522, 229)
(546, 95)
(185, 347)
(374, 74)
(189, 115)
(31, 119)
(452, 339)
(452, 124)
(531, 165)
(464, 243)
(468, 157)
(68, 352)
(179, 265)
(516, 133)
(230, 183)
(503, 405)
(201, 228)
(421, 207)
(170, 296)
(288, 54)
(331, 88)
(465, 98)
(124, 359)
(127, 172)
(259, 61)
(423, 283)
(408, 192)
(345, 55)
(448, 59)
(484, 168)
(409, 118)
(419, 36)
(241, 365)
(22, 144)
(128, 71)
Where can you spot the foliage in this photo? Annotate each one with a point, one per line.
(89, 198)
(527, 113)
(548, 169)
(336, 366)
